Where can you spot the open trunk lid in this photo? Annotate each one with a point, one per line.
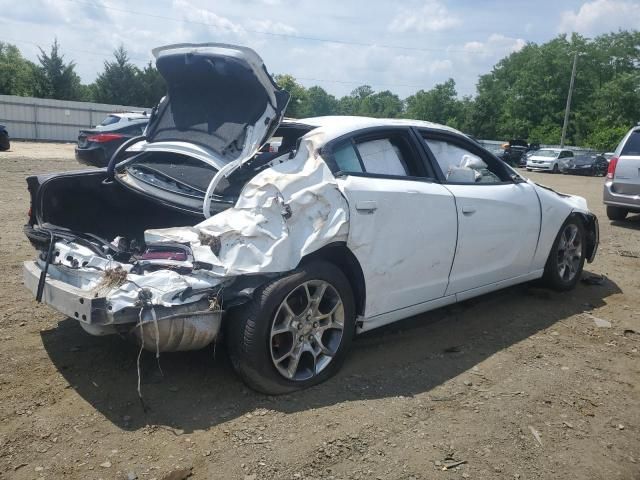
(220, 97)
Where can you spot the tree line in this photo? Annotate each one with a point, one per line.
(523, 96)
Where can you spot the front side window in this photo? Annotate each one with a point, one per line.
(460, 165)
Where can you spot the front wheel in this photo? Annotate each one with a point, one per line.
(566, 259)
(295, 332)
(555, 168)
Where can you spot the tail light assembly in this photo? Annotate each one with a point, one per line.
(104, 137)
(611, 170)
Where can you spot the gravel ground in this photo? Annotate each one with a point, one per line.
(519, 384)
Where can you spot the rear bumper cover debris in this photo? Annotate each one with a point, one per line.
(187, 326)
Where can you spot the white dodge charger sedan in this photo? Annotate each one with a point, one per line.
(352, 224)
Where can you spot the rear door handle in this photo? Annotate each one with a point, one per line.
(366, 206)
(468, 210)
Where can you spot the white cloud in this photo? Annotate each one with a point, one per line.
(433, 16)
(207, 18)
(270, 26)
(496, 45)
(599, 16)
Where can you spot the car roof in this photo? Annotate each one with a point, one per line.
(130, 115)
(335, 126)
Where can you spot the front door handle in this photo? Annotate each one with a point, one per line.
(366, 206)
(468, 210)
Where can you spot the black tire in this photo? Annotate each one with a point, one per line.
(616, 213)
(4, 143)
(552, 277)
(248, 329)
(555, 169)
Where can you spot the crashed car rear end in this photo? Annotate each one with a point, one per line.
(99, 261)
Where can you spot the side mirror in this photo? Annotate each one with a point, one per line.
(517, 178)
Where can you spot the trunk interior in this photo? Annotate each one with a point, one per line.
(81, 202)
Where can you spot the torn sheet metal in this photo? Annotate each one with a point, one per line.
(283, 213)
(185, 331)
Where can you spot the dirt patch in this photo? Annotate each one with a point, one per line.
(471, 383)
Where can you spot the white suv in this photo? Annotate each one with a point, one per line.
(622, 188)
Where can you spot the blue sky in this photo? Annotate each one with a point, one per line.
(402, 46)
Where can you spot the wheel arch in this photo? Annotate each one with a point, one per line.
(342, 257)
(590, 222)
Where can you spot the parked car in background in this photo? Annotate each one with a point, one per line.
(4, 138)
(198, 233)
(514, 151)
(548, 159)
(622, 187)
(96, 145)
(592, 164)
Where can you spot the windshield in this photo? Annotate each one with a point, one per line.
(632, 146)
(546, 153)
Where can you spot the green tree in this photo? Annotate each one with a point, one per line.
(55, 78)
(298, 103)
(152, 86)
(319, 102)
(119, 83)
(17, 75)
(440, 104)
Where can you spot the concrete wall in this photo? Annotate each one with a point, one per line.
(30, 118)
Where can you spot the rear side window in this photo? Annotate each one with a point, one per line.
(387, 154)
(109, 120)
(382, 157)
(632, 145)
(347, 159)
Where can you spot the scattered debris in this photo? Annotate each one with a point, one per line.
(630, 331)
(599, 322)
(106, 464)
(620, 426)
(628, 253)
(593, 279)
(468, 383)
(178, 474)
(19, 466)
(450, 463)
(211, 241)
(567, 424)
(113, 277)
(535, 434)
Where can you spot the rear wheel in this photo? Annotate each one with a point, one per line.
(295, 332)
(616, 213)
(566, 259)
(555, 168)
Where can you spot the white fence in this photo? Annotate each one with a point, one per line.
(30, 118)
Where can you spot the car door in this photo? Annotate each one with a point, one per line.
(498, 217)
(403, 224)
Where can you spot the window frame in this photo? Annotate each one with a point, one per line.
(421, 161)
(467, 144)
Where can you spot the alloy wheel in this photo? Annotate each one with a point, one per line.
(569, 252)
(307, 330)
